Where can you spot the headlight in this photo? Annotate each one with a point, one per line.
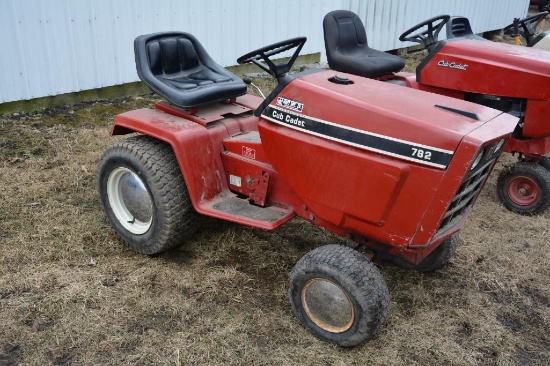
(477, 159)
(498, 146)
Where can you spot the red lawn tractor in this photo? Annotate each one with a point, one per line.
(512, 79)
(395, 169)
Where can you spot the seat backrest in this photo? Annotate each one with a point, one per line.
(459, 27)
(177, 67)
(343, 30)
(171, 55)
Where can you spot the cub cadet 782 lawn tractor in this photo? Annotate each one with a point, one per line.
(395, 169)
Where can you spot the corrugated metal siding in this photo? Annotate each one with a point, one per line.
(62, 46)
(386, 20)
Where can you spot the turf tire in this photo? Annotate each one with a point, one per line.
(173, 218)
(348, 273)
(545, 162)
(528, 176)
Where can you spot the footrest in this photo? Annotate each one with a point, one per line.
(240, 210)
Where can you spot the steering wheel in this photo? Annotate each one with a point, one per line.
(264, 54)
(529, 26)
(427, 37)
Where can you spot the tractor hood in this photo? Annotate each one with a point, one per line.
(377, 116)
(468, 65)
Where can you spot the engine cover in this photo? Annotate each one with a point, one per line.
(367, 154)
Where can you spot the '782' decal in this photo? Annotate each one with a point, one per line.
(421, 153)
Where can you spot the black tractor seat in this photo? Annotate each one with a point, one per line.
(348, 50)
(177, 67)
(459, 27)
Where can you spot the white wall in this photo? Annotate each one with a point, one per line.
(54, 47)
(386, 20)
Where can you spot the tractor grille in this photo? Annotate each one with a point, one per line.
(471, 186)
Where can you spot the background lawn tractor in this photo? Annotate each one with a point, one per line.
(395, 169)
(532, 29)
(515, 80)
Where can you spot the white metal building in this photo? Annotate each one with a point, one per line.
(53, 47)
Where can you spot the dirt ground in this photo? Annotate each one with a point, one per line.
(72, 293)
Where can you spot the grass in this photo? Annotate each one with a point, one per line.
(72, 293)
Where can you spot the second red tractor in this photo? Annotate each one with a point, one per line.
(512, 79)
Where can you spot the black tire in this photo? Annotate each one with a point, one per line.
(144, 195)
(524, 188)
(545, 162)
(337, 280)
(439, 257)
(543, 5)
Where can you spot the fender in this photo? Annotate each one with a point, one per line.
(199, 161)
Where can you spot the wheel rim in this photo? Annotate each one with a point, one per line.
(327, 305)
(130, 201)
(523, 190)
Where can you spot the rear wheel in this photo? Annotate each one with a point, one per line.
(525, 188)
(543, 5)
(144, 195)
(439, 257)
(338, 295)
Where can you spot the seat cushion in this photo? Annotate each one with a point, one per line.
(366, 62)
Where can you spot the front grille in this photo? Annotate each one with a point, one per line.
(466, 195)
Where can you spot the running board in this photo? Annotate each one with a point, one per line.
(233, 208)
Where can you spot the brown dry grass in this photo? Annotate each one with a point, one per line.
(71, 293)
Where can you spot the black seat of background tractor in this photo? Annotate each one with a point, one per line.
(459, 27)
(348, 50)
(177, 67)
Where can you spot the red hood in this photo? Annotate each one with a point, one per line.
(388, 110)
(488, 68)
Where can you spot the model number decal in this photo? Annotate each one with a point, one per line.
(422, 154)
(290, 104)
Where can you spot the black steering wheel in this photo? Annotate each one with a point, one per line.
(427, 37)
(528, 25)
(264, 54)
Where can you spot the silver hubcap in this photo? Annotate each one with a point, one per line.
(130, 200)
(327, 305)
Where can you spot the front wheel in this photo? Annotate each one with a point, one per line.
(144, 195)
(338, 295)
(524, 188)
